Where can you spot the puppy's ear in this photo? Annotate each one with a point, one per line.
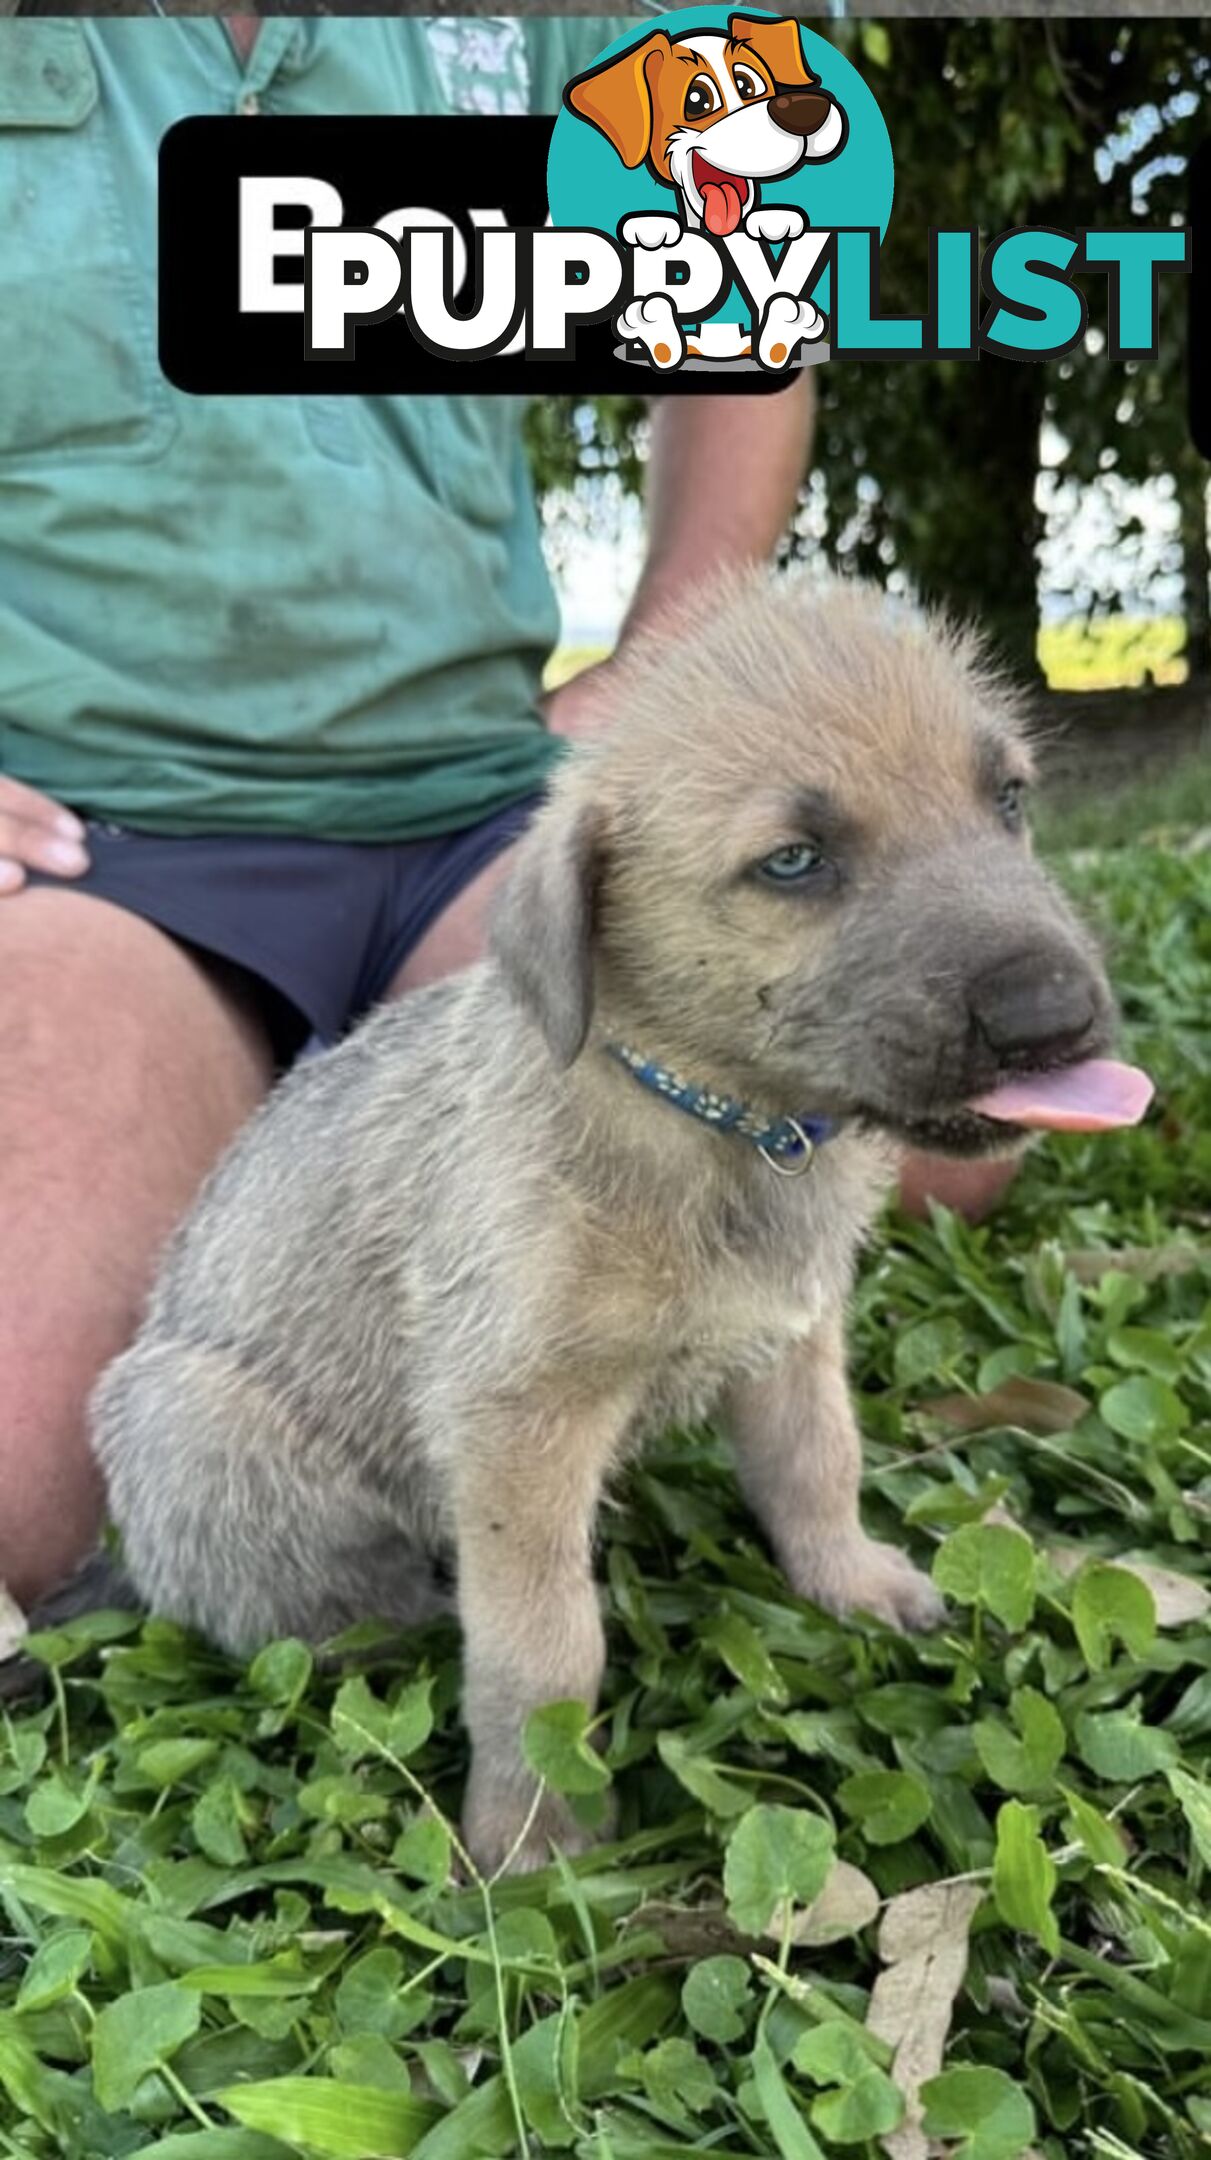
(542, 933)
(617, 97)
(777, 43)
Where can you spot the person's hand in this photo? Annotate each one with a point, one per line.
(580, 708)
(36, 834)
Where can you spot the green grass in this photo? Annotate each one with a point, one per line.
(231, 1925)
(1155, 808)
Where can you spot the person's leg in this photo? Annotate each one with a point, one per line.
(460, 933)
(125, 1067)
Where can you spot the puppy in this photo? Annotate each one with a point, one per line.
(615, 1175)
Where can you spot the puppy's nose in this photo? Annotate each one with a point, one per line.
(1036, 1008)
(800, 112)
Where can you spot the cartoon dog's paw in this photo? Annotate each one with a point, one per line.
(650, 229)
(776, 221)
(651, 322)
(786, 324)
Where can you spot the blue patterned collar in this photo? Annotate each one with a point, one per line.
(787, 1144)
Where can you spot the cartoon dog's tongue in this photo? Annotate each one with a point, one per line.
(722, 202)
(722, 195)
(1093, 1096)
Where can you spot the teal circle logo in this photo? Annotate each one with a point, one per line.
(701, 126)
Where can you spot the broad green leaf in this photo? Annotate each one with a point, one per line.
(626, 2017)
(1194, 1799)
(738, 1643)
(1096, 1833)
(348, 2122)
(834, 2053)
(987, 1564)
(216, 1820)
(775, 1855)
(1028, 1761)
(1120, 1748)
(717, 1998)
(867, 2107)
(676, 2076)
(986, 2111)
(271, 1979)
(362, 1725)
(217, 2145)
(1145, 1350)
(700, 1776)
(137, 2031)
(54, 1969)
(281, 1672)
(889, 1804)
(545, 2064)
(72, 1897)
(1023, 1875)
(558, 1749)
(923, 1351)
(1143, 1409)
(57, 1805)
(167, 1762)
(423, 1851)
(1110, 1606)
(368, 1997)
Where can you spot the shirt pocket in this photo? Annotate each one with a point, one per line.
(79, 374)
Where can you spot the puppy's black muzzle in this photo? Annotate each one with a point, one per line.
(1036, 1010)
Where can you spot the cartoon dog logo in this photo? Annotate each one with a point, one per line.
(711, 117)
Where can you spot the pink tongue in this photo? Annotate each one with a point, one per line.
(722, 202)
(1091, 1097)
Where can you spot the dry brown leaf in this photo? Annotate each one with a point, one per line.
(1148, 1262)
(1037, 1406)
(923, 1943)
(849, 1901)
(1000, 1514)
(1178, 1598)
(13, 1625)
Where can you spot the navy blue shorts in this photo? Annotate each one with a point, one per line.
(319, 926)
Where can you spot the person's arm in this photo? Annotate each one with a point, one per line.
(724, 474)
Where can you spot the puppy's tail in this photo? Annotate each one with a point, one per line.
(99, 1584)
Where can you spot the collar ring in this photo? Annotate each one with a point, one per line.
(801, 1162)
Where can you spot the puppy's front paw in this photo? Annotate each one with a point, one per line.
(503, 1829)
(861, 1575)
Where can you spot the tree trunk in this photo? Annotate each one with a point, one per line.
(983, 560)
(1196, 565)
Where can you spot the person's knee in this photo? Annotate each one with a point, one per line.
(125, 1068)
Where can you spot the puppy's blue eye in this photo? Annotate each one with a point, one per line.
(1011, 804)
(792, 864)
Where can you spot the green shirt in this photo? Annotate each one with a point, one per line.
(320, 615)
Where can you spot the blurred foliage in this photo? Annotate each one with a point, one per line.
(931, 470)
